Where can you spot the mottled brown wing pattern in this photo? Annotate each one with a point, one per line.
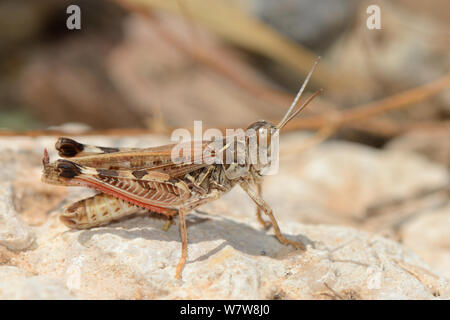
(144, 177)
(149, 191)
(155, 159)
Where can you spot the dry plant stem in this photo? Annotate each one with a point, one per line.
(397, 101)
(235, 26)
(318, 137)
(385, 129)
(345, 118)
(216, 60)
(391, 128)
(340, 119)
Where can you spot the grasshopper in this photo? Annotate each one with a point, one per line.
(130, 180)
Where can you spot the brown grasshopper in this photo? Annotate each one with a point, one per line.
(131, 180)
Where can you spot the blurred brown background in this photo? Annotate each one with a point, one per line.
(158, 64)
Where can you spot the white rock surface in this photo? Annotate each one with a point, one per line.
(16, 284)
(429, 236)
(434, 144)
(329, 187)
(229, 259)
(341, 180)
(14, 233)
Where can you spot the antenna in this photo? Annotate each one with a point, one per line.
(287, 117)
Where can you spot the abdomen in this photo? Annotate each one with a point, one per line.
(97, 210)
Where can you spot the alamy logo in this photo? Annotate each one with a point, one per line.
(374, 19)
(238, 149)
(74, 20)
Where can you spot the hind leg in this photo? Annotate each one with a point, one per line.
(184, 243)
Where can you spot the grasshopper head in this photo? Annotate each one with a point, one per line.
(263, 130)
(263, 145)
(265, 134)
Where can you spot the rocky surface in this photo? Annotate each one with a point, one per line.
(14, 233)
(434, 144)
(428, 235)
(17, 284)
(340, 199)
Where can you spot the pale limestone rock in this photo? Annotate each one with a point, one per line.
(229, 259)
(14, 233)
(17, 284)
(434, 143)
(229, 255)
(337, 182)
(429, 236)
